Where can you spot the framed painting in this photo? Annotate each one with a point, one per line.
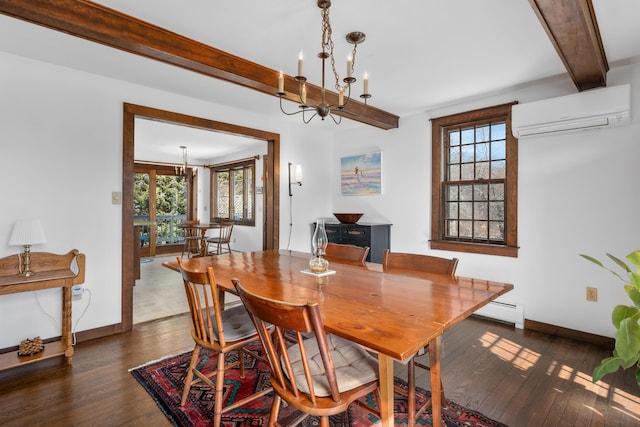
(361, 175)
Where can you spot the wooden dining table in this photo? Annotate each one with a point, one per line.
(203, 228)
(394, 314)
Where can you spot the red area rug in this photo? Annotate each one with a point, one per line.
(164, 381)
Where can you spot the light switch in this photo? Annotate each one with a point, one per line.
(116, 198)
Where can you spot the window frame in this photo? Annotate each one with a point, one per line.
(230, 167)
(438, 128)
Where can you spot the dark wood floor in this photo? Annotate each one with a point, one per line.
(517, 377)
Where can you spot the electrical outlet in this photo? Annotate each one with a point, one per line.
(76, 292)
(592, 294)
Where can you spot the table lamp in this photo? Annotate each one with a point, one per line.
(26, 233)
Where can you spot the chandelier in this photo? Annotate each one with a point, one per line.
(323, 109)
(181, 170)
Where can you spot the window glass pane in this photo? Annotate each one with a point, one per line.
(496, 231)
(238, 194)
(496, 211)
(482, 152)
(482, 133)
(467, 153)
(454, 137)
(498, 130)
(498, 169)
(171, 208)
(454, 154)
(452, 192)
(496, 191)
(451, 229)
(466, 228)
(454, 173)
(467, 172)
(249, 190)
(480, 230)
(480, 211)
(468, 136)
(222, 180)
(482, 170)
(452, 210)
(466, 192)
(466, 210)
(498, 150)
(480, 192)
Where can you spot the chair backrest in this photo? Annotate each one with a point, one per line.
(225, 231)
(190, 232)
(204, 305)
(346, 252)
(291, 320)
(418, 262)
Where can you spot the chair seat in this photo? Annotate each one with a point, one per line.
(237, 324)
(353, 365)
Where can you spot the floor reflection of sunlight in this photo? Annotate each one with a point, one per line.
(524, 358)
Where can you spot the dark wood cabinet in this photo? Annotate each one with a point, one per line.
(376, 236)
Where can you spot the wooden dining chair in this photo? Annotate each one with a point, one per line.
(419, 263)
(347, 252)
(320, 375)
(218, 331)
(223, 238)
(191, 238)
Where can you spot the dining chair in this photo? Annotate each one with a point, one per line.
(223, 238)
(191, 238)
(428, 264)
(216, 330)
(320, 375)
(347, 252)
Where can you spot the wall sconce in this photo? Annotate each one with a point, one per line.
(297, 177)
(26, 233)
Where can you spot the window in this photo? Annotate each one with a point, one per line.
(474, 182)
(232, 192)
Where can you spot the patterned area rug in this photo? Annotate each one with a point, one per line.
(164, 380)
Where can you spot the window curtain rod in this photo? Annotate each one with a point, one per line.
(217, 165)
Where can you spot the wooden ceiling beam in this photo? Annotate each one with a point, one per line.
(109, 27)
(573, 29)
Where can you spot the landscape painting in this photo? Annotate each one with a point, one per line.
(361, 175)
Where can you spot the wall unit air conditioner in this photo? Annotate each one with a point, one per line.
(591, 109)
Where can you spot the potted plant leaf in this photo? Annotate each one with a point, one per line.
(625, 318)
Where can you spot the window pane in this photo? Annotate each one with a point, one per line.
(467, 153)
(454, 173)
(496, 231)
(249, 190)
(452, 211)
(482, 133)
(480, 230)
(466, 210)
(466, 228)
(482, 152)
(238, 194)
(496, 211)
(468, 136)
(454, 137)
(480, 211)
(454, 154)
(222, 179)
(498, 150)
(496, 191)
(452, 192)
(498, 130)
(482, 170)
(480, 192)
(467, 172)
(451, 229)
(498, 169)
(466, 192)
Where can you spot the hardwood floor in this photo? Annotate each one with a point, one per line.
(517, 377)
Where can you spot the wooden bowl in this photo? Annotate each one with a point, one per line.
(348, 218)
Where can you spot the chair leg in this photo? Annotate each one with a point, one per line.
(241, 360)
(217, 405)
(275, 409)
(189, 377)
(324, 421)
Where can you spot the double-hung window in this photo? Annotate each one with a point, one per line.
(233, 192)
(474, 182)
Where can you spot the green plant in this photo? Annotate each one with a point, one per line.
(625, 318)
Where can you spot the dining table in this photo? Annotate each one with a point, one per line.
(202, 228)
(394, 314)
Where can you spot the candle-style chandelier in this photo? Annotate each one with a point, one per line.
(323, 109)
(182, 169)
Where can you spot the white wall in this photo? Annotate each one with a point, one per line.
(61, 153)
(577, 193)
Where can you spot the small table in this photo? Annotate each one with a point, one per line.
(52, 271)
(396, 314)
(203, 227)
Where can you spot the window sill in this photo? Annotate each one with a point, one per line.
(476, 248)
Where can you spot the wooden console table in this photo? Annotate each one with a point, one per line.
(52, 271)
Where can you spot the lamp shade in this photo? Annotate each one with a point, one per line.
(27, 232)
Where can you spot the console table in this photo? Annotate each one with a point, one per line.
(376, 236)
(52, 271)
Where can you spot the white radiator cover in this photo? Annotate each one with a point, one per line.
(504, 311)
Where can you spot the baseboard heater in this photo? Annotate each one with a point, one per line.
(504, 312)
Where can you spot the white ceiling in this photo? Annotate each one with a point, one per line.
(419, 54)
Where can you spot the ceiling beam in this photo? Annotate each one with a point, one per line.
(100, 24)
(573, 29)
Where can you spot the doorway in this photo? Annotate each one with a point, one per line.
(270, 187)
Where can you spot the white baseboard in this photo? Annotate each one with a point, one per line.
(505, 312)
